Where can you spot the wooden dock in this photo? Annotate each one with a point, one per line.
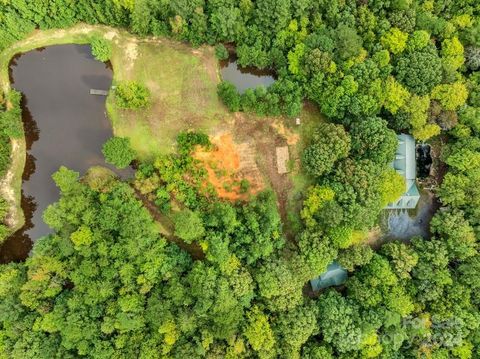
(98, 92)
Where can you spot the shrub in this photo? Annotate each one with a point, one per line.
(3, 208)
(11, 121)
(132, 95)
(229, 95)
(101, 49)
(244, 185)
(5, 149)
(117, 151)
(188, 140)
(162, 199)
(221, 52)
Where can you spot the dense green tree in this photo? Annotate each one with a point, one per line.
(392, 186)
(418, 40)
(66, 179)
(279, 285)
(229, 95)
(188, 225)
(431, 273)
(294, 328)
(105, 254)
(402, 258)
(451, 96)
(347, 41)
(396, 97)
(395, 40)
(328, 144)
(339, 322)
(317, 251)
(118, 152)
(259, 234)
(355, 184)
(259, 333)
(317, 199)
(354, 256)
(420, 71)
(373, 140)
(221, 52)
(376, 284)
(452, 54)
(456, 232)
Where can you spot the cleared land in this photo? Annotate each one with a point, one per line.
(183, 84)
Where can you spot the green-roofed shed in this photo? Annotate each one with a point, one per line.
(405, 164)
(334, 276)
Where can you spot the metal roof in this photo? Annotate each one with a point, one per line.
(335, 275)
(405, 164)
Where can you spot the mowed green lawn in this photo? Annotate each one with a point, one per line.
(182, 82)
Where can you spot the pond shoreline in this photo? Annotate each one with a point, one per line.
(63, 125)
(128, 54)
(80, 34)
(11, 183)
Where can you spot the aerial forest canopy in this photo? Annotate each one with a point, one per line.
(162, 267)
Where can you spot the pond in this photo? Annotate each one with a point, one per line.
(245, 77)
(64, 125)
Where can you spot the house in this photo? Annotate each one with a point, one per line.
(405, 164)
(334, 276)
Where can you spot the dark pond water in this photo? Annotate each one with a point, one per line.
(245, 77)
(424, 161)
(64, 125)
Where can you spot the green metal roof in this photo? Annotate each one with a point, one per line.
(335, 275)
(405, 164)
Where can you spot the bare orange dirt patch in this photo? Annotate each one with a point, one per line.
(228, 164)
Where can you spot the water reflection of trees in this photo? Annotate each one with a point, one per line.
(32, 133)
(17, 247)
(29, 167)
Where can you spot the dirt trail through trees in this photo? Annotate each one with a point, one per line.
(192, 248)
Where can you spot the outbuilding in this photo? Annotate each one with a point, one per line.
(335, 275)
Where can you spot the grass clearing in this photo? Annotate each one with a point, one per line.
(182, 82)
(310, 118)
